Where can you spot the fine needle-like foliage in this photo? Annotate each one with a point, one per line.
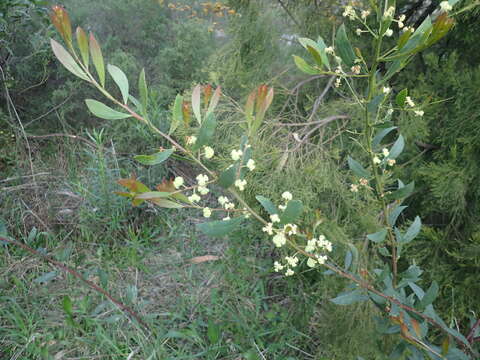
(404, 308)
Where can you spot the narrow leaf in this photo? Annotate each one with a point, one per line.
(381, 135)
(417, 290)
(401, 97)
(154, 159)
(67, 60)
(267, 204)
(142, 87)
(97, 59)
(323, 54)
(412, 231)
(292, 212)
(344, 48)
(103, 111)
(206, 132)
(372, 106)
(393, 216)
(82, 42)
(177, 114)
(220, 227)
(196, 103)
(120, 79)
(378, 237)
(150, 195)
(395, 67)
(350, 297)
(316, 55)
(402, 192)
(357, 169)
(397, 148)
(214, 101)
(430, 295)
(228, 177)
(164, 203)
(304, 66)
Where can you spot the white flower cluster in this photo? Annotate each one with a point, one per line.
(400, 21)
(361, 182)
(280, 237)
(202, 181)
(389, 12)
(330, 50)
(178, 182)
(250, 165)
(365, 14)
(291, 262)
(385, 153)
(445, 6)
(226, 203)
(410, 103)
(236, 154)
(316, 248)
(349, 12)
(209, 152)
(240, 184)
(191, 140)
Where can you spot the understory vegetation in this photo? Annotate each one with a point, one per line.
(86, 275)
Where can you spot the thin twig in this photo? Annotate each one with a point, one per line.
(288, 13)
(75, 137)
(317, 102)
(48, 112)
(23, 177)
(321, 123)
(72, 272)
(471, 334)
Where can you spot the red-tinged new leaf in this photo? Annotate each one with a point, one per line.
(123, 194)
(215, 99)
(137, 202)
(186, 113)
(196, 102)
(61, 21)
(133, 185)
(207, 94)
(441, 27)
(416, 328)
(82, 42)
(262, 94)
(67, 60)
(67, 27)
(56, 22)
(167, 186)
(250, 104)
(262, 106)
(268, 100)
(97, 59)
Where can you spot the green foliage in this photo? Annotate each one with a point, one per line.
(315, 171)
